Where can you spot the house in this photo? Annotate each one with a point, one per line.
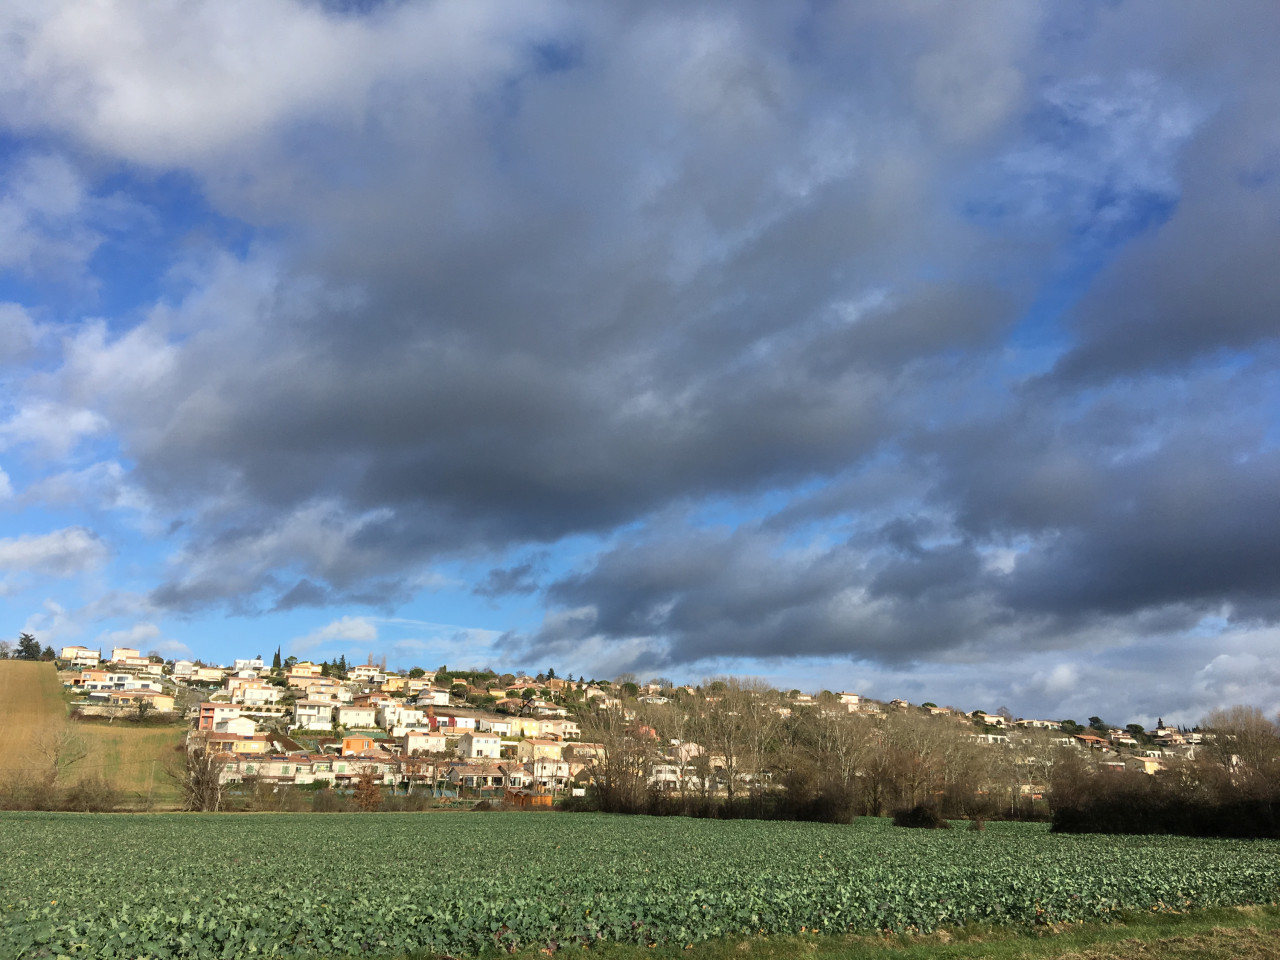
(474, 746)
(100, 680)
(255, 664)
(353, 717)
(549, 772)
(433, 696)
(580, 753)
(564, 729)
(242, 726)
(208, 674)
(454, 723)
(1041, 724)
(136, 683)
(670, 776)
(423, 742)
(850, 701)
(526, 727)
(479, 776)
(183, 668)
(303, 670)
(121, 654)
(1092, 742)
(133, 699)
(359, 745)
(81, 656)
(494, 725)
(257, 743)
(1151, 765)
(531, 749)
(213, 713)
(393, 716)
(255, 693)
(313, 714)
(367, 673)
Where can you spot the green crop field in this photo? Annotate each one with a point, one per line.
(174, 885)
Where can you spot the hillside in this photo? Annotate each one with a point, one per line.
(32, 703)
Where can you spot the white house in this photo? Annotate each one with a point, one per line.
(432, 696)
(473, 746)
(367, 673)
(256, 694)
(501, 728)
(313, 714)
(103, 681)
(81, 656)
(254, 664)
(424, 742)
(393, 714)
(242, 726)
(357, 718)
(183, 668)
(136, 683)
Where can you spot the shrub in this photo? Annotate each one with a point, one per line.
(920, 817)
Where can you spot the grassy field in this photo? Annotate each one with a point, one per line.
(131, 757)
(472, 884)
(30, 702)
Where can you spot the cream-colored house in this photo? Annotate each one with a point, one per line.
(476, 746)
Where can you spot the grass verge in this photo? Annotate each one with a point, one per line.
(1227, 933)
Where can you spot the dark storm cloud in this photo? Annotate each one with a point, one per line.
(501, 581)
(965, 318)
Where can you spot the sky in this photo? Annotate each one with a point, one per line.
(916, 349)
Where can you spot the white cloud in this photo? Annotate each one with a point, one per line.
(135, 636)
(183, 82)
(43, 209)
(143, 636)
(52, 428)
(62, 553)
(18, 333)
(343, 632)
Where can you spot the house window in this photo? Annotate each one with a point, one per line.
(286, 769)
(248, 768)
(342, 768)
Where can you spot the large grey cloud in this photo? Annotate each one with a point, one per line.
(963, 316)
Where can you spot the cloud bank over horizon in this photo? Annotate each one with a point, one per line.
(921, 348)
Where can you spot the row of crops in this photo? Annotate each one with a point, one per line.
(298, 885)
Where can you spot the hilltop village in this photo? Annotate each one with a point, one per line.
(531, 739)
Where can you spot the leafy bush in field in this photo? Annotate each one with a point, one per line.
(275, 885)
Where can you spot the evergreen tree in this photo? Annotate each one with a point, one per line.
(275, 661)
(28, 647)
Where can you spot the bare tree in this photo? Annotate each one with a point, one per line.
(199, 777)
(621, 769)
(1244, 743)
(368, 795)
(61, 748)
